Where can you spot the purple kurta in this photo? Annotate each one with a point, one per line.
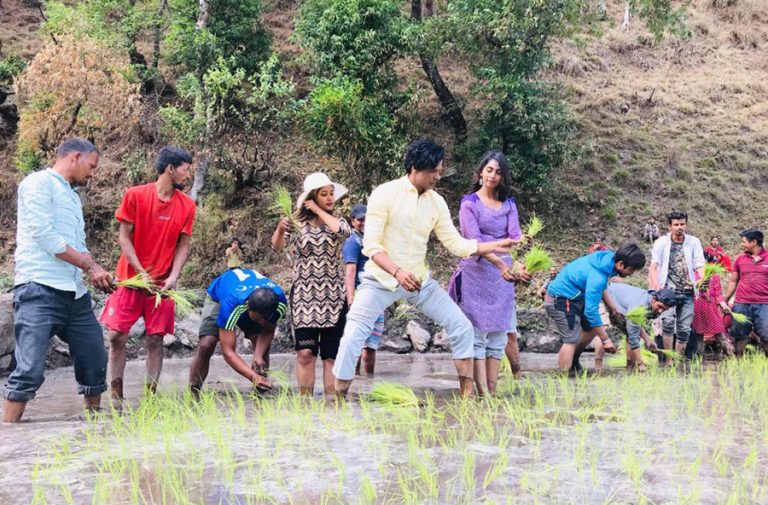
(476, 285)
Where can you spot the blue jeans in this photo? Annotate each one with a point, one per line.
(677, 320)
(758, 321)
(39, 312)
(372, 299)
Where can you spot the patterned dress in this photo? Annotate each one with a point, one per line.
(477, 286)
(707, 318)
(317, 294)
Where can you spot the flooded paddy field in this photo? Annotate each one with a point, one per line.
(697, 436)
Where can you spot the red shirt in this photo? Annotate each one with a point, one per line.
(753, 278)
(156, 228)
(720, 257)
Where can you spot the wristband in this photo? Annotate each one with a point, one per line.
(395, 272)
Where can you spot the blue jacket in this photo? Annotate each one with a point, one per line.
(585, 279)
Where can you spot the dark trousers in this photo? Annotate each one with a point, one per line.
(39, 313)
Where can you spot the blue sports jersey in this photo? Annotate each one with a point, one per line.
(232, 289)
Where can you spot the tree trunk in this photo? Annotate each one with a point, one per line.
(201, 173)
(450, 106)
(627, 15)
(156, 35)
(201, 170)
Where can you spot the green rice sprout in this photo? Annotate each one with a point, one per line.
(393, 395)
(537, 260)
(183, 299)
(639, 315)
(669, 353)
(138, 281)
(534, 226)
(280, 202)
(739, 318)
(711, 269)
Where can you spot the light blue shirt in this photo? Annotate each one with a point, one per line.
(50, 218)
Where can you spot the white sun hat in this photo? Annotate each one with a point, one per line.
(319, 180)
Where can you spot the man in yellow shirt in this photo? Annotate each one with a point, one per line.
(401, 216)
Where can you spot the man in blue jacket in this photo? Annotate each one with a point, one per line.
(573, 299)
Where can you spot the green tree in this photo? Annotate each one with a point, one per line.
(356, 128)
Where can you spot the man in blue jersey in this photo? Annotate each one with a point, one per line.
(573, 299)
(246, 299)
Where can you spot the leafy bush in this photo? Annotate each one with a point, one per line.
(357, 39)
(506, 48)
(10, 67)
(356, 128)
(234, 30)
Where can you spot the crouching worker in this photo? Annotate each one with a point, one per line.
(621, 298)
(573, 298)
(238, 298)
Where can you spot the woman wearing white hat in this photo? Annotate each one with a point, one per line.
(317, 299)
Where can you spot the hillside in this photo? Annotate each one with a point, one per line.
(679, 124)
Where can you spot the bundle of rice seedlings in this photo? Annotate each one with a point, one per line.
(534, 226)
(711, 269)
(393, 395)
(739, 318)
(619, 359)
(281, 203)
(537, 260)
(639, 315)
(138, 281)
(183, 299)
(669, 353)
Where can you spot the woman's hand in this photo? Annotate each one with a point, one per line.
(311, 206)
(284, 226)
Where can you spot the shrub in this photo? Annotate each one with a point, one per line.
(357, 129)
(75, 88)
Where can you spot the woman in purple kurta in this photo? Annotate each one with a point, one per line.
(482, 286)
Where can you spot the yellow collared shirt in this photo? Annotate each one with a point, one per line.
(399, 222)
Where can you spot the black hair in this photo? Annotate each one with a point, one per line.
(75, 145)
(423, 154)
(265, 302)
(503, 190)
(174, 156)
(714, 237)
(631, 255)
(753, 234)
(676, 214)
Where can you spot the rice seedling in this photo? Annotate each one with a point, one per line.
(740, 318)
(639, 315)
(183, 300)
(393, 395)
(138, 281)
(280, 203)
(711, 269)
(534, 226)
(537, 260)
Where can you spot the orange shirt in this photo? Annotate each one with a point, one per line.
(156, 229)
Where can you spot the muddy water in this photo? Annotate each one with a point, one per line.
(661, 466)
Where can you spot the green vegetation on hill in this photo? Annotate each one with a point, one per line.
(605, 127)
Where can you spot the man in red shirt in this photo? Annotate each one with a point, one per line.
(155, 229)
(749, 282)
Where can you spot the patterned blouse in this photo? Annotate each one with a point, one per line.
(317, 295)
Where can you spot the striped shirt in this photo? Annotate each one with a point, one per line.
(50, 218)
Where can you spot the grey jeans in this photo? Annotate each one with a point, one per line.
(677, 320)
(39, 313)
(371, 300)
